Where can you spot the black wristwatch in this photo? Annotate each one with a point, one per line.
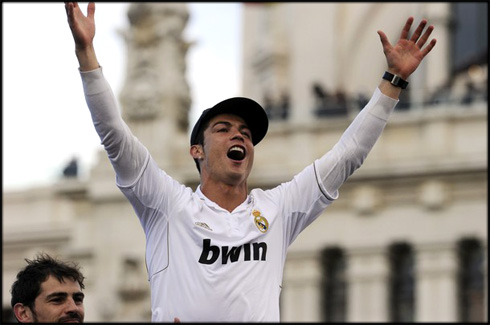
(395, 80)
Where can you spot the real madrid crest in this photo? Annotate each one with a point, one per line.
(260, 221)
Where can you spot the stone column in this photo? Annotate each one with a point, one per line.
(436, 278)
(367, 291)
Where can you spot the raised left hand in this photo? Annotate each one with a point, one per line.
(404, 57)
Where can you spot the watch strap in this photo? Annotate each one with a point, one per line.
(395, 80)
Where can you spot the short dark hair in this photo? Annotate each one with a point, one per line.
(28, 283)
(200, 141)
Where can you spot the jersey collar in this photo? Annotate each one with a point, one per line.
(244, 206)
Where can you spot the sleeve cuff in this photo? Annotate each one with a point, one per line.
(382, 105)
(94, 81)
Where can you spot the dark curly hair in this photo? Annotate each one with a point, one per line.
(28, 283)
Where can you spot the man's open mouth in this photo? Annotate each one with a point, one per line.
(236, 153)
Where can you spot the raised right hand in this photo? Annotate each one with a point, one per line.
(82, 28)
(83, 31)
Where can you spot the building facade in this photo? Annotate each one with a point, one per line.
(407, 238)
(396, 244)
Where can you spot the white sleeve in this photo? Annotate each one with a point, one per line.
(127, 155)
(349, 153)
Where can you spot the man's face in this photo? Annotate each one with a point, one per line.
(57, 303)
(228, 149)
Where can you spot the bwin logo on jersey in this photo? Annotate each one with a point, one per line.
(251, 251)
(260, 221)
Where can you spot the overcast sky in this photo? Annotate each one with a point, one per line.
(45, 118)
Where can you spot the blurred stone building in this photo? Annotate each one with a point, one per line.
(407, 238)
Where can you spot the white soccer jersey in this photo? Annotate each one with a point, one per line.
(205, 263)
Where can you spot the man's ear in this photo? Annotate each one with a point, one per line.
(196, 151)
(23, 313)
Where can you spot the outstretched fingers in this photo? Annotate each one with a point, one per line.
(384, 41)
(418, 31)
(420, 40)
(406, 28)
(425, 37)
(429, 47)
(91, 10)
(70, 7)
(73, 9)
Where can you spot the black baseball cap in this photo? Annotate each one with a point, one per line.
(252, 113)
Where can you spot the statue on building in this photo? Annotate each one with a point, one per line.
(155, 83)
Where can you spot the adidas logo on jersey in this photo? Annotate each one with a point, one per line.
(203, 225)
(211, 253)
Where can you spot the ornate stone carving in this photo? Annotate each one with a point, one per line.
(155, 84)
